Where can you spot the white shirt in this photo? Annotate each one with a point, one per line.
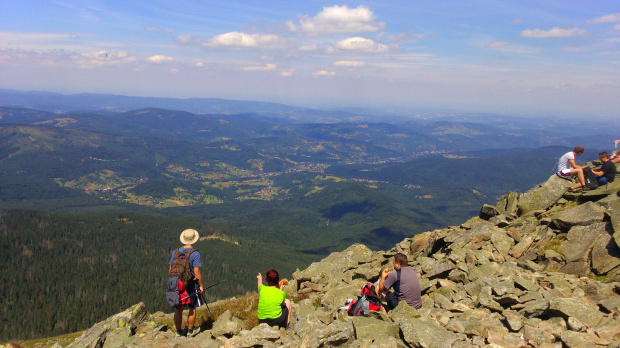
(564, 165)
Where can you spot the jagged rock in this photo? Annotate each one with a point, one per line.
(610, 304)
(573, 339)
(499, 221)
(507, 205)
(488, 211)
(126, 321)
(514, 319)
(581, 215)
(579, 309)
(226, 325)
(535, 308)
(420, 332)
(402, 311)
(503, 339)
(370, 327)
(580, 240)
(383, 341)
(334, 334)
(259, 336)
(605, 254)
(336, 297)
(542, 197)
(614, 211)
(336, 262)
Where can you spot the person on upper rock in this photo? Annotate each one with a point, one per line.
(273, 307)
(405, 282)
(568, 168)
(607, 172)
(615, 157)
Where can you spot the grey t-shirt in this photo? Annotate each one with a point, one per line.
(408, 289)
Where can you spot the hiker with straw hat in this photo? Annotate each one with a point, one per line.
(189, 294)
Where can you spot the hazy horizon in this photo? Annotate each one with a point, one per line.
(526, 59)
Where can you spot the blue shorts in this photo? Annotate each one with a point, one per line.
(602, 180)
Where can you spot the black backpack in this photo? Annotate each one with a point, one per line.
(591, 182)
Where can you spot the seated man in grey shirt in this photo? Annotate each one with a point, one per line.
(405, 282)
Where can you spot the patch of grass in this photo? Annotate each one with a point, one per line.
(243, 307)
(554, 244)
(63, 340)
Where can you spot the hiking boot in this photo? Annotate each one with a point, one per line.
(179, 334)
(193, 332)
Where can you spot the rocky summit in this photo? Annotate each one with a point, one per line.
(539, 269)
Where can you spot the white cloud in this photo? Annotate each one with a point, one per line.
(158, 59)
(404, 37)
(499, 44)
(186, 39)
(308, 48)
(612, 18)
(93, 60)
(338, 19)
(200, 64)
(359, 44)
(555, 32)
(238, 40)
(323, 73)
(266, 67)
(350, 64)
(287, 73)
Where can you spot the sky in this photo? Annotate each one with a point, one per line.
(529, 58)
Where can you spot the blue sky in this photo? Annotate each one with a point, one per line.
(536, 58)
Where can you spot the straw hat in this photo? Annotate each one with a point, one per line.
(189, 236)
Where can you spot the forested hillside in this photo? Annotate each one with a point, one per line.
(63, 273)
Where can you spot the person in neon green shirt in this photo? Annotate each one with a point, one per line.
(273, 307)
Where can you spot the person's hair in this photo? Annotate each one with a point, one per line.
(272, 277)
(604, 154)
(578, 149)
(401, 259)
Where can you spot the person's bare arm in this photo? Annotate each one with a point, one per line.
(259, 280)
(199, 277)
(572, 163)
(384, 275)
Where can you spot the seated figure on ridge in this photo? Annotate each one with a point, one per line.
(608, 170)
(273, 307)
(405, 282)
(568, 168)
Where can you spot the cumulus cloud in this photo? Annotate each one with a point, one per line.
(200, 64)
(555, 32)
(358, 44)
(266, 67)
(238, 40)
(323, 73)
(287, 73)
(508, 47)
(158, 59)
(611, 18)
(338, 19)
(350, 64)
